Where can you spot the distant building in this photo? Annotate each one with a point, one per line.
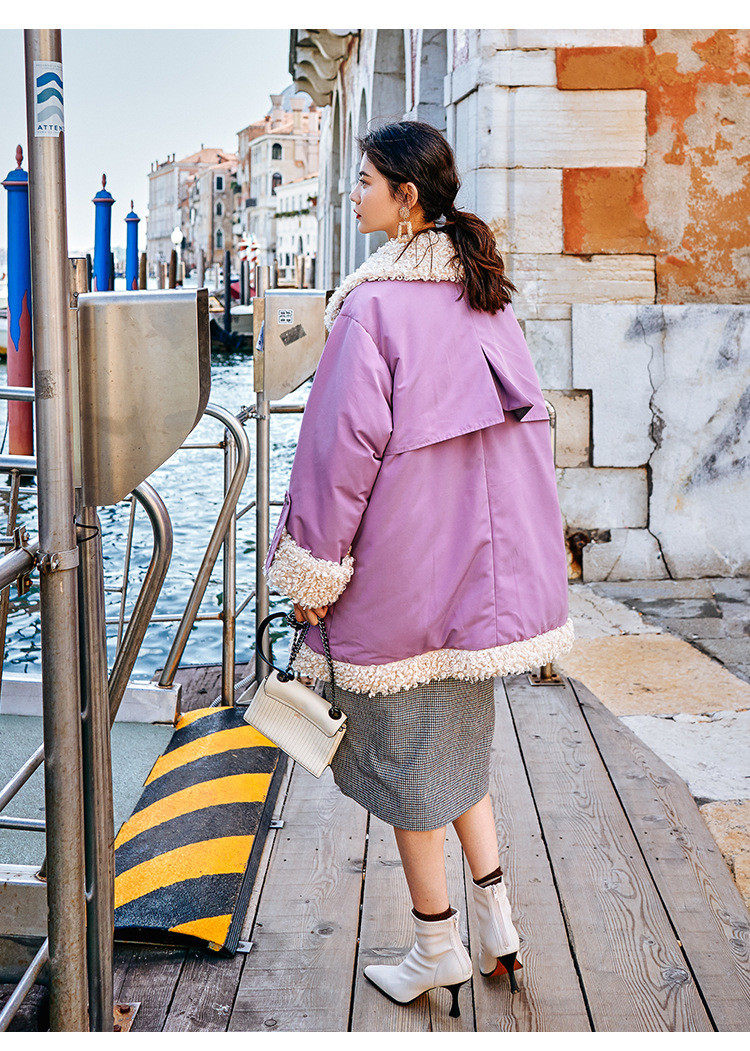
(168, 207)
(210, 213)
(296, 225)
(278, 149)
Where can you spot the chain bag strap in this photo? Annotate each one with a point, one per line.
(300, 632)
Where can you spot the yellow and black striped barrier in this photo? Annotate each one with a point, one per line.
(186, 859)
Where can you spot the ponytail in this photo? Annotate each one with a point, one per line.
(411, 151)
(485, 283)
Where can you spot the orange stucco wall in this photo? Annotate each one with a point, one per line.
(689, 206)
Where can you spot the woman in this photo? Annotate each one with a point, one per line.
(422, 521)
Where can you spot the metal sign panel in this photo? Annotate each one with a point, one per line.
(293, 338)
(144, 361)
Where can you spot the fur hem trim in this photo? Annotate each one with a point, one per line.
(305, 579)
(429, 257)
(513, 658)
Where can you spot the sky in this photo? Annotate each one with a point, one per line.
(133, 96)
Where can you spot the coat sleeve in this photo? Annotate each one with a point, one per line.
(345, 428)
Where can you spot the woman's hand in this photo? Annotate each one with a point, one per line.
(310, 615)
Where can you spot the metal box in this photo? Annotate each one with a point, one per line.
(294, 335)
(144, 377)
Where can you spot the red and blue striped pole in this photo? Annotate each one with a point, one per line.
(131, 250)
(20, 356)
(103, 275)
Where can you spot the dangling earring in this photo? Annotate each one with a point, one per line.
(405, 232)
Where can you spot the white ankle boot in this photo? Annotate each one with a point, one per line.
(437, 959)
(498, 938)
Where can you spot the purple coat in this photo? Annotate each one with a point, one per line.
(422, 504)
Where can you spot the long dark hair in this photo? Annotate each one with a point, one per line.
(411, 151)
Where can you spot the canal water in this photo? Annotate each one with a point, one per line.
(191, 485)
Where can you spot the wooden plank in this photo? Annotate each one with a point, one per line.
(298, 975)
(549, 998)
(633, 971)
(387, 934)
(703, 901)
(204, 994)
(149, 975)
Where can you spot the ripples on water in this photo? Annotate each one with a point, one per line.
(191, 485)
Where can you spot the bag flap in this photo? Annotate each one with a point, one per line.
(304, 701)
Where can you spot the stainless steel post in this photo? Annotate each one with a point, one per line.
(98, 812)
(262, 459)
(61, 698)
(97, 766)
(229, 598)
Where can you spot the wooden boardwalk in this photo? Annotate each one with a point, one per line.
(628, 916)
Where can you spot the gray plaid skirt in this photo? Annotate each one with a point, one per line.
(419, 758)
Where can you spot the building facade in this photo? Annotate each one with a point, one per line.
(169, 202)
(279, 149)
(296, 227)
(614, 169)
(211, 202)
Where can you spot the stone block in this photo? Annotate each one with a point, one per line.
(605, 68)
(531, 38)
(548, 285)
(691, 371)
(538, 127)
(603, 498)
(710, 753)
(523, 206)
(604, 210)
(631, 554)
(573, 414)
(550, 346)
(653, 674)
(511, 68)
(618, 373)
(514, 68)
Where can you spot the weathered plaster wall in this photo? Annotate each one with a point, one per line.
(688, 205)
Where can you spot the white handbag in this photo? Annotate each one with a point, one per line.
(296, 719)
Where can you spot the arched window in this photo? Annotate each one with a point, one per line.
(219, 238)
(219, 208)
(275, 181)
(276, 151)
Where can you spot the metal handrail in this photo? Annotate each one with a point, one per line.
(140, 618)
(224, 522)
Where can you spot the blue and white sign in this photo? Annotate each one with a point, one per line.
(49, 116)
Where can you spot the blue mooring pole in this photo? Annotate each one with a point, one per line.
(103, 202)
(20, 358)
(131, 250)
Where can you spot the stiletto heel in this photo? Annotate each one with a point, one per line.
(509, 963)
(455, 1011)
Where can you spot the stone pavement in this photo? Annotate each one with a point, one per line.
(671, 658)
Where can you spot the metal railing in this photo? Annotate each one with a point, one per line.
(96, 724)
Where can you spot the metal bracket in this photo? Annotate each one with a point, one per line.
(277, 822)
(546, 677)
(56, 561)
(124, 1016)
(244, 946)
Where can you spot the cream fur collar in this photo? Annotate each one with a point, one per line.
(429, 257)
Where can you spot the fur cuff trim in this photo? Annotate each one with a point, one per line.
(511, 659)
(429, 257)
(307, 580)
